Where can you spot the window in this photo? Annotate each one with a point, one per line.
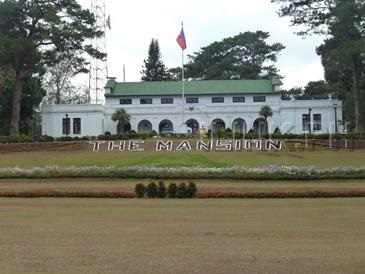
(125, 101)
(317, 122)
(306, 121)
(192, 100)
(259, 98)
(238, 99)
(77, 125)
(167, 100)
(217, 99)
(145, 101)
(66, 126)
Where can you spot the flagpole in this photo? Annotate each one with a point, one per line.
(183, 90)
(182, 43)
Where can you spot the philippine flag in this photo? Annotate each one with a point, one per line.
(181, 39)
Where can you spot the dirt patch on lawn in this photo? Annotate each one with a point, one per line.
(66, 146)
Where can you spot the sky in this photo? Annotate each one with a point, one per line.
(135, 23)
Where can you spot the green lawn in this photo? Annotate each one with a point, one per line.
(182, 236)
(83, 155)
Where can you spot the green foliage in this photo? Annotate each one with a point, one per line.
(162, 190)
(153, 68)
(121, 116)
(140, 190)
(292, 93)
(33, 34)
(172, 190)
(21, 138)
(314, 90)
(314, 14)
(153, 133)
(192, 189)
(175, 74)
(244, 56)
(152, 190)
(343, 52)
(265, 112)
(186, 191)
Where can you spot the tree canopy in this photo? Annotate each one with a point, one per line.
(121, 116)
(153, 68)
(265, 112)
(314, 90)
(33, 34)
(244, 56)
(343, 51)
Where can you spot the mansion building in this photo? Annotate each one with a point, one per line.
(204, 105)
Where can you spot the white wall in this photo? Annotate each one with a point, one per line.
(92, 117)
(204, 112)
(287, 115)
(291, 112)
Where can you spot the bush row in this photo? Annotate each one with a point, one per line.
(271, 172)
(152, 190)
(218, 134)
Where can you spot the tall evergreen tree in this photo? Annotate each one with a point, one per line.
(343, 52)
(32, 35)
(153, 68)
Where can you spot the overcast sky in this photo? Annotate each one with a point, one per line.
(135, 23)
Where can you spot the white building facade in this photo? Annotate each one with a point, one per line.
(163, 108)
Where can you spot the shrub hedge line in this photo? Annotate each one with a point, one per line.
(249, 195)
(271, 172)
(152, 190)
(220, 134)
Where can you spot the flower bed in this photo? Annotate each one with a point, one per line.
(306, 194)
(66, 194)
(249, 195)
(271, 172)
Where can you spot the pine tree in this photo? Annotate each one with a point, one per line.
(153, 68)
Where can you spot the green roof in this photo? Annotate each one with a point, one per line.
(158, 88)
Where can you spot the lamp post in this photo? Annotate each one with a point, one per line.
(67, 124)
(310, 121)
(212, 131)
(335, 106)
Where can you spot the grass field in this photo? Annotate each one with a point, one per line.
(182, 236)
(58, 235)
(82, 154)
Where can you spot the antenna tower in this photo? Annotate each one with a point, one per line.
(98, 67)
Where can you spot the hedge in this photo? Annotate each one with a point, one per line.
(270, 172)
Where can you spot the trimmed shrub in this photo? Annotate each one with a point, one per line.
(153, 133)
(140, 190)
(44, 138)
(181, 191)
(171, 190)
(65, 138)
(152, 190)
(132, 134)
(162, 190)
(191, 190)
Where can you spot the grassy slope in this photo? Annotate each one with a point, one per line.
(182, 236)
(82, 155)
